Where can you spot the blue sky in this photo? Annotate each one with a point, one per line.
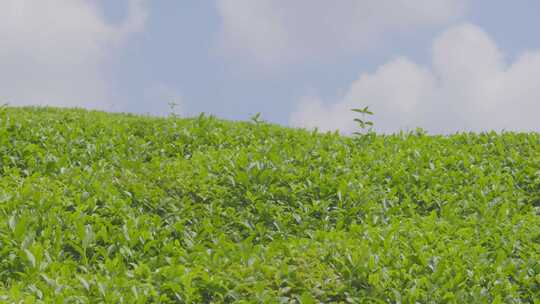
(443, 65)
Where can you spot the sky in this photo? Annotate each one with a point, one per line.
(441, 65)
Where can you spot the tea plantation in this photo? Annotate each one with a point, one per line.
(117, 208)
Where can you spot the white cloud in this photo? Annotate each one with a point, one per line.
(469, 86)
(53, 51)
(281, 31)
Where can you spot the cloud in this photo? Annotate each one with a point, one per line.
(53, 52)
(468, 86)
(282, 31)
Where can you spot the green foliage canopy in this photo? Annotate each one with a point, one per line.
(118, 208)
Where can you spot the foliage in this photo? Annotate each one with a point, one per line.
(173, 108)
(119, 208)
(361, 122)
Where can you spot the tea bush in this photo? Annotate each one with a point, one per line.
(118, 208)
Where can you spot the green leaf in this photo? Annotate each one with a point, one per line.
(30, 257)
(20, 227)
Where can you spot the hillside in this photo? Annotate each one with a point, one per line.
(118, 208)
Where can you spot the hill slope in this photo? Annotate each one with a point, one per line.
(130, 209)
